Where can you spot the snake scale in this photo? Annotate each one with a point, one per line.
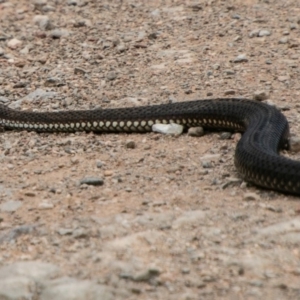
(265, 130)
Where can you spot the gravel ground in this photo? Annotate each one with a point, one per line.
(86, 216)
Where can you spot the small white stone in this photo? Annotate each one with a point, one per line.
(264, 32)
(14, 43)
(45, 205)
(174, 129)
(42, 21)
(241, 58)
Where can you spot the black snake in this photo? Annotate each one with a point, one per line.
(265, 130)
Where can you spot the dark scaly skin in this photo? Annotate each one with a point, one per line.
(256, 158)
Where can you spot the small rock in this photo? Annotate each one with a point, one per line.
(121, 48)
(196, 131)
(294, 26)
(254, 33)
(99, 164)
(58, 33)
(4, 99)
(240, 58)
(52, 81)
(111, 75)
(260, 95)
(92, 181)
(20, 84)
(294, 142)
(147, 275)
(65, 231)
(174, 129)
(82, 23)
(207, 164)
(251, 197)
(283, 40)
(283, 78)
(14, 43)
(264, 32)
(45, 205)
(42, 21)
(20, 63)
(78, 70)
(225, 135)
(130, 144)
(229, 72)
(229, 92)
(72, 2)
(108, 173)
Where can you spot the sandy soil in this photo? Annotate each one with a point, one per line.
(173, 219)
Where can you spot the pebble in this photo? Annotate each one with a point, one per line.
(121, 48)
(196, 131)
(147, 275)
(260, 95)
(283, 78)
(294, 142)
(72, 2)
(14, 44)
(92, 181)
(207, 164)
(283, 40)
(172, 129)
(130, 144)
(241, 58)
(225, 135)
(264, 32)
(108, 173)
(99, 164)
(251, 197)
(254, 33)
(58, 33)
(229, 72)
(229, 92)
(78, 70)
(45, 205)
(111, 75)
(42, 21)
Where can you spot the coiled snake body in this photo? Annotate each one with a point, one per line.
(256, 158)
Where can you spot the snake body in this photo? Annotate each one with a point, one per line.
(265, 130)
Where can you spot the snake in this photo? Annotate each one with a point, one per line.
(265, 131)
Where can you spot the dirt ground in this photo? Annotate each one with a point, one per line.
(170, 217)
